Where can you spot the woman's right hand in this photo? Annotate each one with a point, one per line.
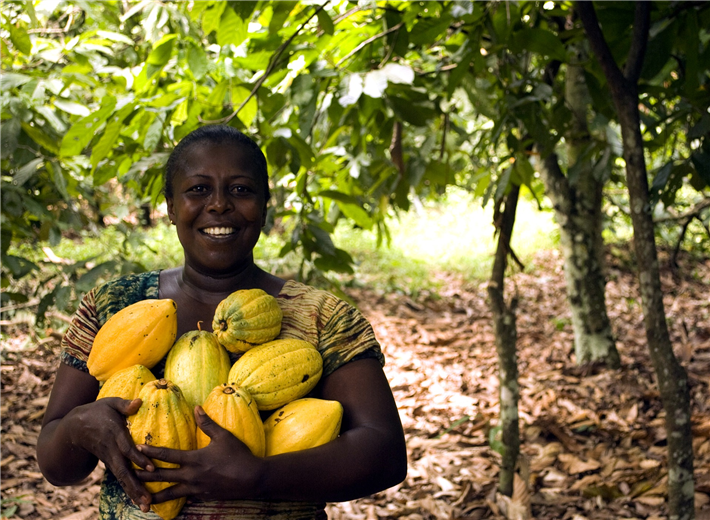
(100, 428)
(78, 430)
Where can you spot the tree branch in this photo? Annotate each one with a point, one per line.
(369, 41)
(695, 211)
(639, 41)
(617, 80)
(269, 69)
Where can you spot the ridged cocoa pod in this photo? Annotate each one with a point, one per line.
(140, 334)
(197, 363)
(164, 420)
(278, 372)
(247, 318)
(302, 424)
(127, 383)
(234, 410)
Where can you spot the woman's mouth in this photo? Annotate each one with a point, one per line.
(219, 231)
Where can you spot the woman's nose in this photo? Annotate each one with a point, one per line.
(219, 202)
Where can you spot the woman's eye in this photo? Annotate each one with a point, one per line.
(240, 189)
(197, 189)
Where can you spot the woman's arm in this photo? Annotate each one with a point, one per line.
(77, 431)
(369, 456)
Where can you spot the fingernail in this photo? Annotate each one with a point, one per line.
(145, 508)
(200, 411)
(149, 467)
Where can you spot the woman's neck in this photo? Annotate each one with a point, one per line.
(211, 290)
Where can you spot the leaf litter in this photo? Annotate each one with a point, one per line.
(593, 440)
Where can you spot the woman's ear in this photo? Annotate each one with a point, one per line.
(171, 209)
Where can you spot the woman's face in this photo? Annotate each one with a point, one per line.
(218, 206)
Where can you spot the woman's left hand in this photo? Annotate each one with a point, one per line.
(223, 470)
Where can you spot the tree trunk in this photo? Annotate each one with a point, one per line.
(672, 378)
(506, 337)
(577, 202)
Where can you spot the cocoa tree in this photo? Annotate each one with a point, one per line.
(672, 378)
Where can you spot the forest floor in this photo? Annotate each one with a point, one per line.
(593, 440)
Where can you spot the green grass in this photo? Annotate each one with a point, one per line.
(453, 236)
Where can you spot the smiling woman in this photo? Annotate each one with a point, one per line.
(217, 191)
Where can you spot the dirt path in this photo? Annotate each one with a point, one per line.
(593, 440)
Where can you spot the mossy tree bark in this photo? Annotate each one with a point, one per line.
(506, 338)
(672, 378)
(577, 199)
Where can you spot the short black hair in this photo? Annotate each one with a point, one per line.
(217, 134)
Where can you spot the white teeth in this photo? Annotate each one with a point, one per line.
(219, 231)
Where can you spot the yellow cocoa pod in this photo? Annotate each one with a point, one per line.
(247, 318)
(140, 334)
(197, 363)
(164, 420)
(278, 372)
(302, 424)
(127, 383)
(234, 410)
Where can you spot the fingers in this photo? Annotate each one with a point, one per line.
(171, 493)
(207, 425)
(133, 453)
(164, 454)
(132, 486)
(124, 406)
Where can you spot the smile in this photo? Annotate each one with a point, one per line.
(219, 231)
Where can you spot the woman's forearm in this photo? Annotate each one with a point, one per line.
(360, 462)
(60, 460)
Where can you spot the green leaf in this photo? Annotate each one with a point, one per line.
(281, 12)
(179, 114)
(338, 196)
(323, 242)
(82, 132)
(13, 79)
(539, 41)
(211, 17)
(27, 171)
(89, 279)
(30, 9)
(325, 22)
(153, 134)
(18, 266)
(456, 75)
(415, 114)
(304, 150)
(197, 61)
(701, 128)
(244, 9)
(701, 161)
(248, 112)
(9, 135)
(72, 107)
(357, 214)
(60, 182)
(428, 30)
(20, 39)
(110, 134)
(341, 262)
(232, 29)
(162, 50)
(115, 37)
(659, 181)
(216, 97)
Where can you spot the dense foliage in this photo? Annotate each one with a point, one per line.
(358, 106)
